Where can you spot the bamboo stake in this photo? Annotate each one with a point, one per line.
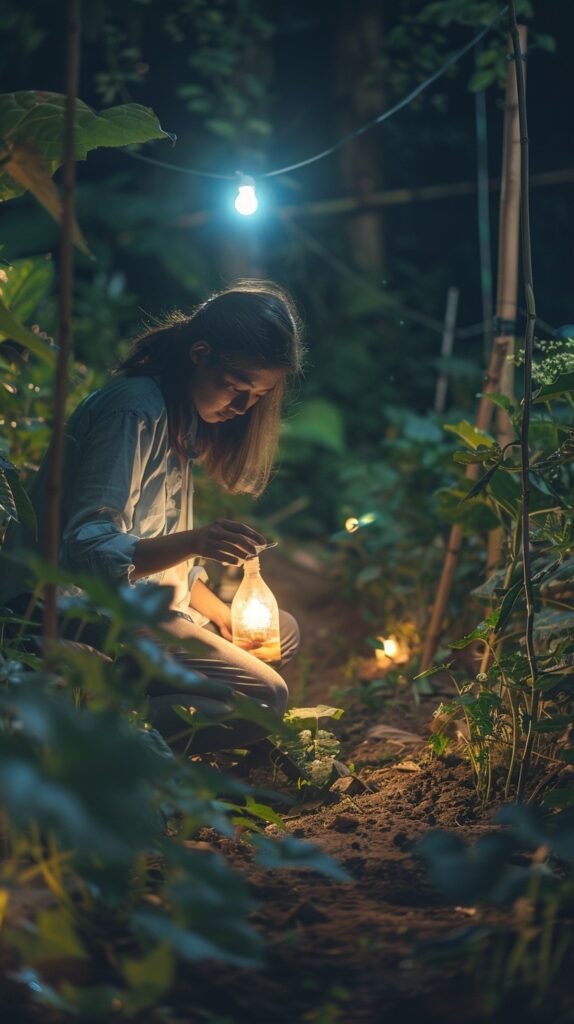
(507, 279)
(482, 422)
(483, 208)
(507, 274)
(54, 487)
(446, 346)
(527, 400)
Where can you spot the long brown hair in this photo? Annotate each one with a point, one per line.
(251, 324)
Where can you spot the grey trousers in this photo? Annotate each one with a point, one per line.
(222, 662)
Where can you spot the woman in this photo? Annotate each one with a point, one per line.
(207, 388)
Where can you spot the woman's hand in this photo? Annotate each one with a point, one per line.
(226, 541)
(222, 540)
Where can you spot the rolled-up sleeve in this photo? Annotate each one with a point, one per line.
(109, 472)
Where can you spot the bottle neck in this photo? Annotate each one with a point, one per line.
(251, 567)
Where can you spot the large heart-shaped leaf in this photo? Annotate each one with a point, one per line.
(36, 119)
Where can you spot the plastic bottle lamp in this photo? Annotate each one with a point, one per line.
(255, 615)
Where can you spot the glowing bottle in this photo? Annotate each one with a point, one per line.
(255, 615)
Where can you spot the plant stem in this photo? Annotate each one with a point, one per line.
(526, 251)
(54, 489)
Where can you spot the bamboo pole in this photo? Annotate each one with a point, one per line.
(483, 209)
(507, 279)
(54, 486)
(446, 347)
(494, 380)
(526, 248)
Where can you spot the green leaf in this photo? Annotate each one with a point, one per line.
(502, 401)
(37, 118)
(31, 172)
(557, 723)
(509, 600)
(156, 970)
(368, 574)
(27, 282)
(505, 490)
(292, 853)
(11, 327)
(7, 499)
(50, 937)
(482, 79)
(470, 434)
(184, 941)
(481, 455)
(316, 422)
(299, 715)
(481, 484)
(543, 433)
(473, 516)
(432, 671)
(251, 711)
(559, 798)
(224, 129)
(259, 810)
(480, 632)
(14, 502)
(559, 388)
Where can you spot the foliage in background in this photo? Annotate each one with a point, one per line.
(506, 715)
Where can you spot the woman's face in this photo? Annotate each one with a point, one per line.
(219, 394)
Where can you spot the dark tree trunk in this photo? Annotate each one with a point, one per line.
(360, 96)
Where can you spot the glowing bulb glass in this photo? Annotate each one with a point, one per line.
(255, 615)
(390, 647)
(351, 524)
(246, 202)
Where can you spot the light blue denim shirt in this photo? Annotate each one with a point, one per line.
(122, 482)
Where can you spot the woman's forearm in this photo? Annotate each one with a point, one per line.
(223, 540)
(203, 600)
(155, 554)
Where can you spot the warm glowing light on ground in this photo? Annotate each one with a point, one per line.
(392, 651)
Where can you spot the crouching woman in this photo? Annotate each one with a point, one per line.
(203, 388)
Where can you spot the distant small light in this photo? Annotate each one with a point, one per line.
(351, 524)
(367, 519)
(246, 201)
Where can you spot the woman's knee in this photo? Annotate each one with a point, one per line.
(277, 696)
(290, 635)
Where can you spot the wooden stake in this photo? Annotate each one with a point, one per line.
(54, 486)
(507, 282)
(506, 311)
(446, 346)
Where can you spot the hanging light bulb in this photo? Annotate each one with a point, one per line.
(246, 202)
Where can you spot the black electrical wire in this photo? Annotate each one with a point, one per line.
(346, 138)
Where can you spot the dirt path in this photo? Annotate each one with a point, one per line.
(344, 952)
(350, 953)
